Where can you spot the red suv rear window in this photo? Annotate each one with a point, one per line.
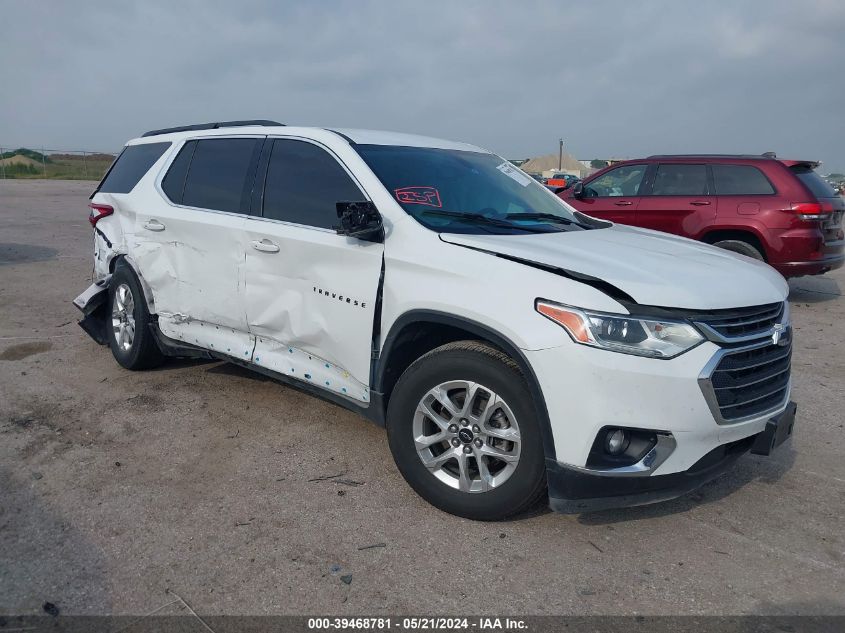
(813, 181)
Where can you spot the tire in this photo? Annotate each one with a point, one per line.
(416, 416)
(127, 323)
(743, 248)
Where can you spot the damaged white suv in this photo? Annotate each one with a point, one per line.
(513, 347)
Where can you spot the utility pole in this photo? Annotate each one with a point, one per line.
(560, 157)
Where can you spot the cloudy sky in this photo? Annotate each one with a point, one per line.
(614, 79)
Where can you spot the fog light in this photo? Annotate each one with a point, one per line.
(615, 442)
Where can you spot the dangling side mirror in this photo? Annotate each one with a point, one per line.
(361, 220)
(578, 190)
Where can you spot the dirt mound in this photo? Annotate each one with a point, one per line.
(19, 159)
(550, 161)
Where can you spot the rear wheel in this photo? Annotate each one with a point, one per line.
(464, 433)
(743, 248)
(131, 341)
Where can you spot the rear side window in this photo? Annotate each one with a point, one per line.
(813, 181)
(304, 184)
(134, 161)
(680, 180)
(173, 182)
(737, 180)
(619, 182)
(221, 174)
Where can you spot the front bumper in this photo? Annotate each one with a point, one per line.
(587, 389)
(574, 490)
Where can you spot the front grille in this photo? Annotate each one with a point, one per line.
(742, 323)
(749, 382)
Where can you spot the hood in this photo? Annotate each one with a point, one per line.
(653, 268)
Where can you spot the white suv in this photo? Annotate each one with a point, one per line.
(512, 346)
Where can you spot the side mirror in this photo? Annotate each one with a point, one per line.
(361, 220)
(578, 190)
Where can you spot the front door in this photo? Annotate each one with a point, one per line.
(311, 293)
(615, 195)
(678, 201)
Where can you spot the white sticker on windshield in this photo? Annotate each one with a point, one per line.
(509, 170)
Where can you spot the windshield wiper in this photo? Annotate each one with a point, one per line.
(550, 217)
(480, 219)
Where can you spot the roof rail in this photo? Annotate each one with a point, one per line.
(763, 155)
(211, 126)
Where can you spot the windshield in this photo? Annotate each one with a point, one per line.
(452, 191)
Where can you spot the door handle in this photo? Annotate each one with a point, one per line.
(700, 203)
(265, 246)
(153, 225)
(623, 203)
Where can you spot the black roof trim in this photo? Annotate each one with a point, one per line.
(341, 134)
(212, 126)
(763, 155)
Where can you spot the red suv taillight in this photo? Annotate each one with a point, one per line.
(98, 212)
(810, 210)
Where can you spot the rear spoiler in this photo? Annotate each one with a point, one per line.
(810, 164)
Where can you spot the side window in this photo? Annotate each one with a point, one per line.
(680, 180)
(173, 182)
(732, 180)
(134, 161)
(304, 183)
(619, 182)
(221, 174)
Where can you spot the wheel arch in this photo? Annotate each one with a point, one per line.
(745, 234)
(148, 291)
(419, 331)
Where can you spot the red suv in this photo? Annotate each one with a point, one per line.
(778, 211)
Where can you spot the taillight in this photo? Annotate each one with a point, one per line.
(809, 210)
(98, 212)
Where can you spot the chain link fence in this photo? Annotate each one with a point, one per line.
(54, 163)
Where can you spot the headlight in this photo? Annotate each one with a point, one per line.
(622, 333)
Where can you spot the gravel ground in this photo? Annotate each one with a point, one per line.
(198, 478)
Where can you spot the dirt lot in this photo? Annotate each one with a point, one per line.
(199, 478)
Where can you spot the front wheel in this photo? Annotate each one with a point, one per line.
(464, 433)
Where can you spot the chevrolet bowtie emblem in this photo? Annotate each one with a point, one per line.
(779, 334)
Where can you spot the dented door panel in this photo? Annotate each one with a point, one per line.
(194, 266)
(313, 301)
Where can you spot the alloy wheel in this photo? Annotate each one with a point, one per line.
(123, 317)
(466, 436)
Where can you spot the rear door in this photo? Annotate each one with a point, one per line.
(195, 243)
(743, 190)
(614, 195)
(311, 293)
(678, 200)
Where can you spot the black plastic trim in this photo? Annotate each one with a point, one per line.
(257, 197)
(573, 491)
(411, 317)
